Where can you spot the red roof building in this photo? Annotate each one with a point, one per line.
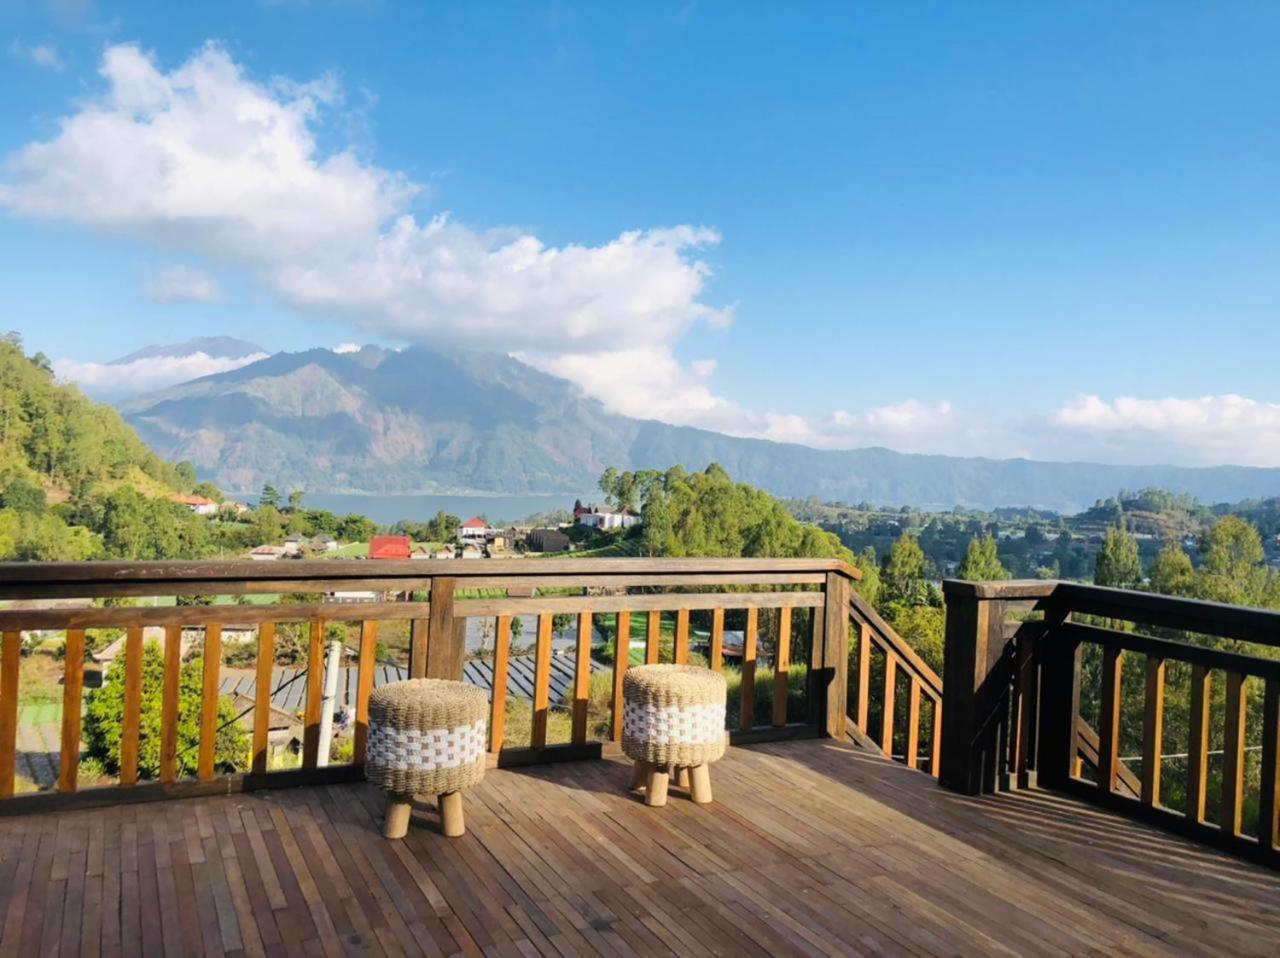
(474, 523)
(389, 547)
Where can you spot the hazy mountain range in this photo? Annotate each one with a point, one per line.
(425, 421)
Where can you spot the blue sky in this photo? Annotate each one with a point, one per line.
(1041, 229)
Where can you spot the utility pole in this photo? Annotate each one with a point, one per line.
(333, 663)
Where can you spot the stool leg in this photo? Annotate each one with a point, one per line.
(451, 822)
(655, 795)
(700, 787)
(639, 775)
(396, 823)
(682, 776)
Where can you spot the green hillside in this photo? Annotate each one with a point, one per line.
(75, 480)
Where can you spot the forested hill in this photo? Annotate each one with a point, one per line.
(421, 420)
(54, 439)
(76, 482)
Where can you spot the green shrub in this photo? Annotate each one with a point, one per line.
(104, 715)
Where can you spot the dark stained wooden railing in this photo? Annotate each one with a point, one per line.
(1015, 701)
(903, 728)
(635, 592)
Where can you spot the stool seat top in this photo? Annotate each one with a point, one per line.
(682, 681)
(427, 703)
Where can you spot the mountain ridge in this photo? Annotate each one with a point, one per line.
(426, 421)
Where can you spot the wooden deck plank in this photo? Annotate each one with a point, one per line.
(811, 847)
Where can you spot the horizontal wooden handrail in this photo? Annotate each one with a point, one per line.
(197, 615)
(1171, 649)
(69, 579)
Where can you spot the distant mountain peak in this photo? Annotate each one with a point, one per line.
(216, 347)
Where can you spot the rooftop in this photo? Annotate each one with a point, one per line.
(811, 847)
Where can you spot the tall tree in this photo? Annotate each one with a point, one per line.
(1117, 563)
(904, 571)
(982, 561)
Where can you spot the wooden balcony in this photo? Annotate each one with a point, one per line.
(829, 833)
(812, 847)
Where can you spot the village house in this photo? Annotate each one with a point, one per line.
(323, 543)
(471, 550)
(474, 529)
(548, 540)
(390, 547)
(197, 504)
(293, 544)
(604, 518)
(266, 553)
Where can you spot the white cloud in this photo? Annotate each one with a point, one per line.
(346, 348)
(112, 381)
(1195, 431)
(41, 54)
(182, 284)
(206, 159)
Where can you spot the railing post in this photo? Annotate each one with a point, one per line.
(446, 636)
(976, 678)
(1059, 703)
(829, 667)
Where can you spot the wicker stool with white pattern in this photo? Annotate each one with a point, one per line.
(672, 724)
(426, 737)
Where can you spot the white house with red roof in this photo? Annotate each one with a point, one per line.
(474, 530)
(200, 505)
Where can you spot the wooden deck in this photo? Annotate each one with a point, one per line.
(812, 847)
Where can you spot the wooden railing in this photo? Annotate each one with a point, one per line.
(771, 600)
(903, 728)
(1017, 691)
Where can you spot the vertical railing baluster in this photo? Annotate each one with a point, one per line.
(680, 651)
(653, 639)
(169, 717)
(10, 663)
(72, 691)
(782, 668)
(582, 679)
(717, 640)
(935, 738)
(913, 722)
(1233, 755)
(1109, 726)
(498, 695)
(1153, 731)
(209, 700)
(419, 635)
(262, 696)
(621, 661)
(1198, 742)
(864, 677)
(541, 681)
(364, 687)
(747, 692)
(890, 703)
(1269, 792)
(131, 717)
(315, 691)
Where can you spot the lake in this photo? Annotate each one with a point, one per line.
(389, 509)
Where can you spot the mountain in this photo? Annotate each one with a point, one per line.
(428, 421)
(216, 347)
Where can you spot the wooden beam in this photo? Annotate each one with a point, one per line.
(10, 663)
(315, 692)
(72, 696)
(782, 668)
(262, 695)
(131, 717)
(1153, 731)
(621, 662)
(863, 704)
(1198, 742)
(446, 649)
(209, 701)
(1269, 792)
(364, 687)
(653, 639)
(498, 698)
(890, 705)
(418, 638)
(747, 691)
(913, 723)
(541, 682)
(717, 640)
(582, 679)
(680, 652)
(1109, 721)
(1233, 754)
(169, 716)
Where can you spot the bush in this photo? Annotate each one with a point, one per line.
(104, 716)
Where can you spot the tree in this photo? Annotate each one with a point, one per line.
(869, 586)
(1171, 572)
(903, 571)
(104, 718)
(186, 473)
(981, 561)
(270, 497)
(295, 500)
(1117, 564)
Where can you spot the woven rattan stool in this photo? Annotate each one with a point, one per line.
(672, 724)
(426, 737)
